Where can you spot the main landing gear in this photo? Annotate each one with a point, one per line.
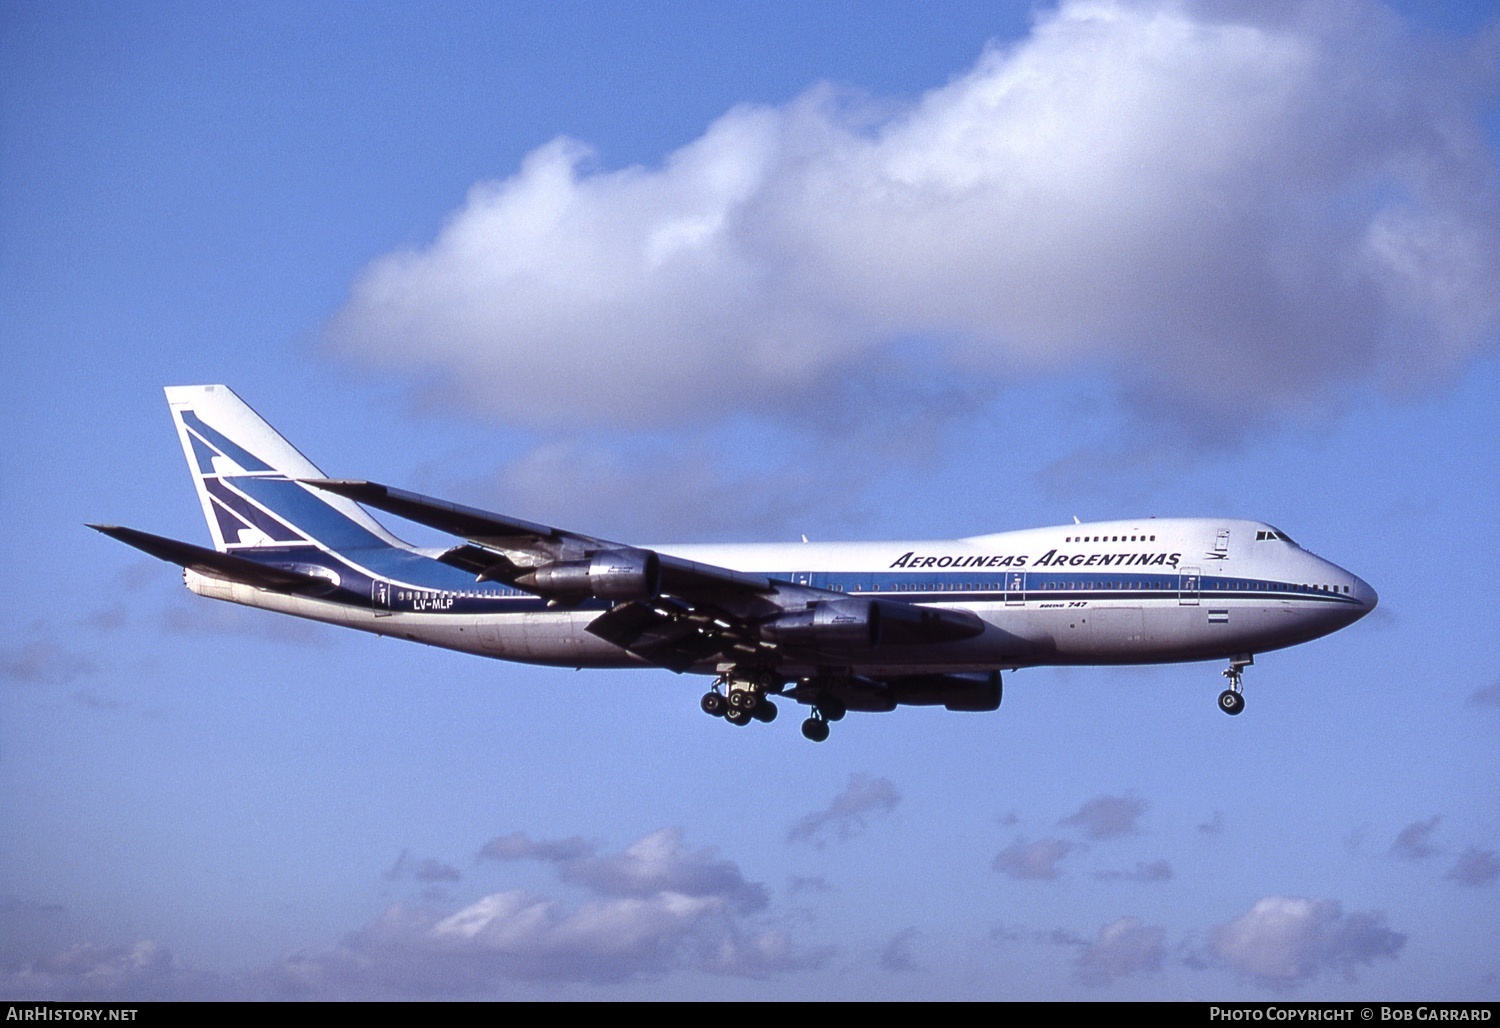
(1232, 700)
(744, 699)
(741, 695)
(826, 709)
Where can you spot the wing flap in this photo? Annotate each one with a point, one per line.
(665, 633)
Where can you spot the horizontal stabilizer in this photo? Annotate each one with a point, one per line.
(212, 562)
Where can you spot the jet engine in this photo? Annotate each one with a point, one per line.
(607, 575)
(835, 624)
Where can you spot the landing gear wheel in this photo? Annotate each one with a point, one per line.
(764, 712)
(815, 729)
(713, 703)
(1232, 700)
(743, 699)
(832, 710)
(737, 716)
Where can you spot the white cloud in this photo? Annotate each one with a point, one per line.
(505, 936)
(1285, 941)
(42, 958)
(1186, 193)
(655, 863)
(1127, 946)
(659, 863)
(655, 907)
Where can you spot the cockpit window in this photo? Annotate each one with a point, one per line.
(1277, 534)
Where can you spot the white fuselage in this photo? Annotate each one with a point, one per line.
(1120, 592)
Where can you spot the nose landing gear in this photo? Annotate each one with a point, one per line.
(1232, 700)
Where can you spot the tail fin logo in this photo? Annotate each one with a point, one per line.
(215, 452)
(247, 478)
(224, 471)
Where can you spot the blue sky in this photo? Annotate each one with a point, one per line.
(667, 271)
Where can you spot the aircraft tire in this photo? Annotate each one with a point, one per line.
(815, 729)
(713, 704)
(765, 712)
(737, 716)
(1231, 702)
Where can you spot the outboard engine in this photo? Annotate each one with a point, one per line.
(608, 575)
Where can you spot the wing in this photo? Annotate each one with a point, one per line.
(666, 610)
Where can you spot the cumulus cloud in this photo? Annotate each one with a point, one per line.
(655, 863)
(1475, 867)
(654, 907)
(1033, 860)
(1285, 941)
(850, 810)
(42, 958)
(1106, 817)
(422, 951)
(1127, 946)
(1177, 191)
(1414, 842)
(659, 863)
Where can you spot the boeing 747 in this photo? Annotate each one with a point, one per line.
(836, 626)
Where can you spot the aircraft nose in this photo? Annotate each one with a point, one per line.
(1364, 595)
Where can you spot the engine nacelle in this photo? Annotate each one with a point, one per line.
(608, 575)
(835, 624)
(958, 691)
(974, 692)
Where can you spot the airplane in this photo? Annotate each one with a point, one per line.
(837, 627)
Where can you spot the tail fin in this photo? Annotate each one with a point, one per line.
(246, 475)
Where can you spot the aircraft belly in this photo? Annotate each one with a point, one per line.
(559, 637)
(546, 638)
(1165, 634)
